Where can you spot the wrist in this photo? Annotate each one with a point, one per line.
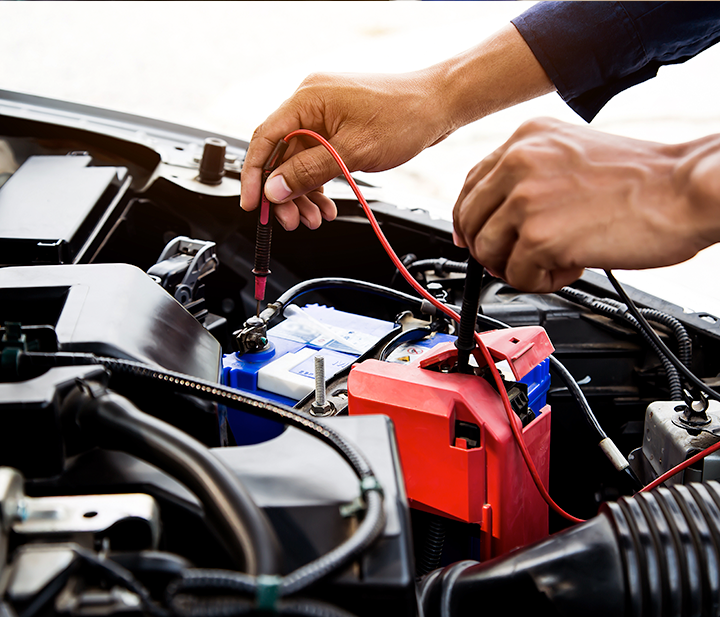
(498, 73)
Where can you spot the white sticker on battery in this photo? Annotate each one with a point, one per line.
(334, 363)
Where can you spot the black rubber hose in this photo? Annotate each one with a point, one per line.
(671, 372)
(681, 335)
(614, 311)
(439, 266)
(185, 605)
(465, 342)
(204, 581)
(116, 423)
(655, 554)
(687, 373)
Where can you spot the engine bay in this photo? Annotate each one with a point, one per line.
(168, 449)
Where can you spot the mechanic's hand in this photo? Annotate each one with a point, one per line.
(557, 198)
(375, 122)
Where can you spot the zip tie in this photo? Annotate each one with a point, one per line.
(267, 592)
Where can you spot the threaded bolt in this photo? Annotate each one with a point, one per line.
(321, 406)
(320, 381)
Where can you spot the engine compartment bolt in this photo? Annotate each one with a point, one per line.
(321, 406)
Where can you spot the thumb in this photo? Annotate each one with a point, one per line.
(300, 174)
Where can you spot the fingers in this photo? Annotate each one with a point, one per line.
(310, 210)
(478, 172)
(485, 189)
(264, 139)
(533, 278)
(303, 172)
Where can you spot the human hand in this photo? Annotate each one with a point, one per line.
(375, 122)
(557, 198)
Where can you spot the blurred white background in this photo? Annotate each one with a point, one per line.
(224, 66)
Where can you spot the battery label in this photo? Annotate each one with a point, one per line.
(334, 363)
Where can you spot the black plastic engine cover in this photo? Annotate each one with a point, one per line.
(110, 310)
(53, 208)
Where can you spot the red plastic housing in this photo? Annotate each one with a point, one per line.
(489, 484)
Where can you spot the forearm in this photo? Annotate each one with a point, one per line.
(697, 176)
(498, 73)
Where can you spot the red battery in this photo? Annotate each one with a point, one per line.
(475, 475)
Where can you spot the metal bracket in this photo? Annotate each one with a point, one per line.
(193, 259)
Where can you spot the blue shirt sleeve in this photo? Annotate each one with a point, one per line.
(593, 50)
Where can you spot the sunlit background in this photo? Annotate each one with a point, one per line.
(224, 66)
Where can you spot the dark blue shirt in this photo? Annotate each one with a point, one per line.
(593, 50)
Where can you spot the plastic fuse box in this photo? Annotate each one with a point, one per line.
(285, 372)
(457, 450)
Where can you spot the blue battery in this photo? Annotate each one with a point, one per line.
(284, 372)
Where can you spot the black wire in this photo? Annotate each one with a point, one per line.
(616, 310)
(185, 605)
(564, 374)
(124, 578)
(216, 392)
(344, 283)
(681, 336)
(439, 265)
(678, 330)
(687, 373)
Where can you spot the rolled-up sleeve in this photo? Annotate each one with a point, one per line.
(593, 50)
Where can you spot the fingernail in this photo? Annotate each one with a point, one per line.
(456, 240)
(277, 189)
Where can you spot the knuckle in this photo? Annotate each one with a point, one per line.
(257, 132)
(314, 80)
(536, 125)
(307, 173)
(535, 236)
(517, 158)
